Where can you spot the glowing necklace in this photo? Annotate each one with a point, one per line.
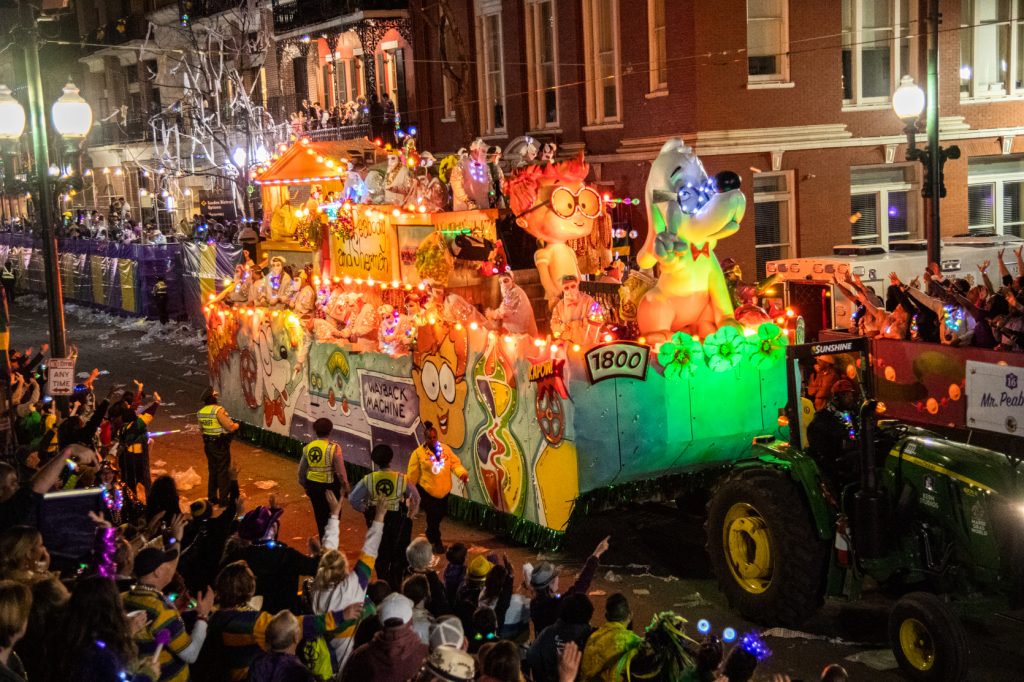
(114, 499)
(954, 317)
(913, 327)
(437, 459)
(851, 431)
(238, 285)
(275, 282)
(478, 171)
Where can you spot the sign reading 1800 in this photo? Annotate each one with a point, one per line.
(621, 359)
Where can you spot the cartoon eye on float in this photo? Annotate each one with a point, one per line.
(431, 381)
(247, 369)
(550, 414)
(447, 382)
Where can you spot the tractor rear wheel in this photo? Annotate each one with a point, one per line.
(928, 639)
(765, 551)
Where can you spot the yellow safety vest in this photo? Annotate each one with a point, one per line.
(320, 459)
(208, 422)
(386, 488)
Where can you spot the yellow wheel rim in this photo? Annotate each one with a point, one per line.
(748, 548)
(917, 645)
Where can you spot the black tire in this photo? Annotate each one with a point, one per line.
(928, 639)
(794, 586)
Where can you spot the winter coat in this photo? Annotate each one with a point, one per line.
(273, 666)
(394, 655)
(603, 658)
(542, 656)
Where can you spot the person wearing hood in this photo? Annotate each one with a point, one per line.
(573, 625)
(515, 314)
(544, 581)
(395, 654)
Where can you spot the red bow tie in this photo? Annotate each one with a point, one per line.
(703, 251)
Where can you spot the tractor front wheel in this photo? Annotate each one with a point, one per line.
(764, 548)
(928, 639)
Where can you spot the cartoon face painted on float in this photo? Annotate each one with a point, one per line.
(439, 374)
(553, 204)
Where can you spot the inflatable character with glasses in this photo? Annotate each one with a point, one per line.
(688, 213)
(553, 204)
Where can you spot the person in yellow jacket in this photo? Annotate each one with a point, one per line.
(217, 429)
(431, 466)
(322, 469)
(605, 656)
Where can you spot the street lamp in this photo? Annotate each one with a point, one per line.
(72, 115)
(12, 116)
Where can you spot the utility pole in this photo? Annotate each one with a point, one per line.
(41, 153)
(935, 158)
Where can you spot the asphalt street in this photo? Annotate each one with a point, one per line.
(656, 558)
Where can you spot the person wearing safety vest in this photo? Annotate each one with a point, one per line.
(160, 298)
(389, 489)
(7, 279)
(217, 429)
(431, 466)
(322, 469)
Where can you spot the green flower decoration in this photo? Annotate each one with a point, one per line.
(766, 347)
(724, 349)
(681, 356)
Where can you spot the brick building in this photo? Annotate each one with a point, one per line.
(283, 52)
(794, 95)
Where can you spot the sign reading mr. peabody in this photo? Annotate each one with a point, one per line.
(995, 397)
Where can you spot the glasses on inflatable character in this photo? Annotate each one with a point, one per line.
(565, 203)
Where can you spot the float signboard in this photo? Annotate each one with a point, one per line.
(995, 398)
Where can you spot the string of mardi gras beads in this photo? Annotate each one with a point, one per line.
(437, 458)
(851, 432)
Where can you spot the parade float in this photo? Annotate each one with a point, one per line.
(406, 326)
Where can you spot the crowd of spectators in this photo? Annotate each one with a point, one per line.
(379, 114)
(939, 309)
(175, 591)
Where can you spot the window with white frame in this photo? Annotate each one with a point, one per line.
(603, 71)
(883, 204)
(774, 218)
(657, 42)
(767, 41)
(490, 66)
(542, 57)
(876, 49)
(991, 48)
(447, 85)
(995, 190)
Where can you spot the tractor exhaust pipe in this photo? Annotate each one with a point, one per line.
(871, 506)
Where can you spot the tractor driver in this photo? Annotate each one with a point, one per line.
(833, 436)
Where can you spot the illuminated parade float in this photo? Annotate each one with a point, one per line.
(392, 316)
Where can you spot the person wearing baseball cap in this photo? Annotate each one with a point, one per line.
(155, 568)
(833, 436)
(396, 653)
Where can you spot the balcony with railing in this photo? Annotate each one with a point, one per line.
(291, 15)
(135, 128)
(282, 107)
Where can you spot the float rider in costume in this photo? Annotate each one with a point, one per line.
(390, 489)
(577, 317)
(217, 429)
(322, 470)
(431, 466)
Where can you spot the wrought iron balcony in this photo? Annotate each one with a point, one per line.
(135, 129)
(290, 15)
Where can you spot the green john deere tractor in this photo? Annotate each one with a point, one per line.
(938, 523)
